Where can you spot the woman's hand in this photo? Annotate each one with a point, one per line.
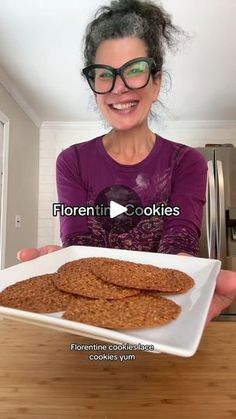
(224, 295)
(31, 253)
(225, 292)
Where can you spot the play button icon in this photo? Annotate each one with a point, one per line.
(116, 220)
(116, 209)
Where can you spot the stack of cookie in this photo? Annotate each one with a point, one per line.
(103, 292)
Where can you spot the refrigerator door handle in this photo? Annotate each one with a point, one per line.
(221, 225)
(211, 211)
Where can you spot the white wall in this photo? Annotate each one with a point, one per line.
(22, 188)
(55, 137)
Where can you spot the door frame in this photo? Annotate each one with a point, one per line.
(3, 217)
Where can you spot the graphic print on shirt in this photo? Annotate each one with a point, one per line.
(134, 229)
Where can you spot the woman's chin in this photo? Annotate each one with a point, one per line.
(124, 125)
(123, 128)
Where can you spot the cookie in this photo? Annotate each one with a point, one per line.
(85, 262)
(38, 294)
(141, 276)
(127, 313)
(76, 278)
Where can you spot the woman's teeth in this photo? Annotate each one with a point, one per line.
(123, 105)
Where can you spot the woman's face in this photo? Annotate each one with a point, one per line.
(115, 53)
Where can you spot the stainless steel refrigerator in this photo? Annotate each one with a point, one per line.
(218, 236)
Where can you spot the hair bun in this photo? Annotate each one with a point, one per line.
(125, 5)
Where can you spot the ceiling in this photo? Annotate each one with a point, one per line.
(41, 59)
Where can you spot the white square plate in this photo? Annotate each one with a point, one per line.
(179, 337)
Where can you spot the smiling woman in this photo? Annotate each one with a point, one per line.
(124, 53)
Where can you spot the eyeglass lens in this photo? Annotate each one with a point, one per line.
(136, 75)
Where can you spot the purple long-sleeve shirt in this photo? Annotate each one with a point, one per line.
(172, 174)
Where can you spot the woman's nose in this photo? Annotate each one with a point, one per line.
(119, 86)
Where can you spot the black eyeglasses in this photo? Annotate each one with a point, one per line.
(135, 74)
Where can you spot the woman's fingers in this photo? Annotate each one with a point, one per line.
(27, 254)
(31, 253)
(218, 304)
(226, 283)
(224, 295)
(48, 249)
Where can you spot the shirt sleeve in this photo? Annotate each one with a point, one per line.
(181, 233)
(72, 191)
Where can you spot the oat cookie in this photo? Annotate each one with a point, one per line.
(38, 294)
(83, 262)
(127, 313)
(76, 278)
(141, 276)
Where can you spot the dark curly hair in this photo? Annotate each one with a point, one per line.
(136, 18)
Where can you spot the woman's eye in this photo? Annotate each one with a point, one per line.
(135, 70)
(105, 75)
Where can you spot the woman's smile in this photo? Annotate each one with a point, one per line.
(124, 108)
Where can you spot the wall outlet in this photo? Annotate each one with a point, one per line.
(18, 221)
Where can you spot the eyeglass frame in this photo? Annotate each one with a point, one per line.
(119, 72)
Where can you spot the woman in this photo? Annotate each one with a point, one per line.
(124, 54)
